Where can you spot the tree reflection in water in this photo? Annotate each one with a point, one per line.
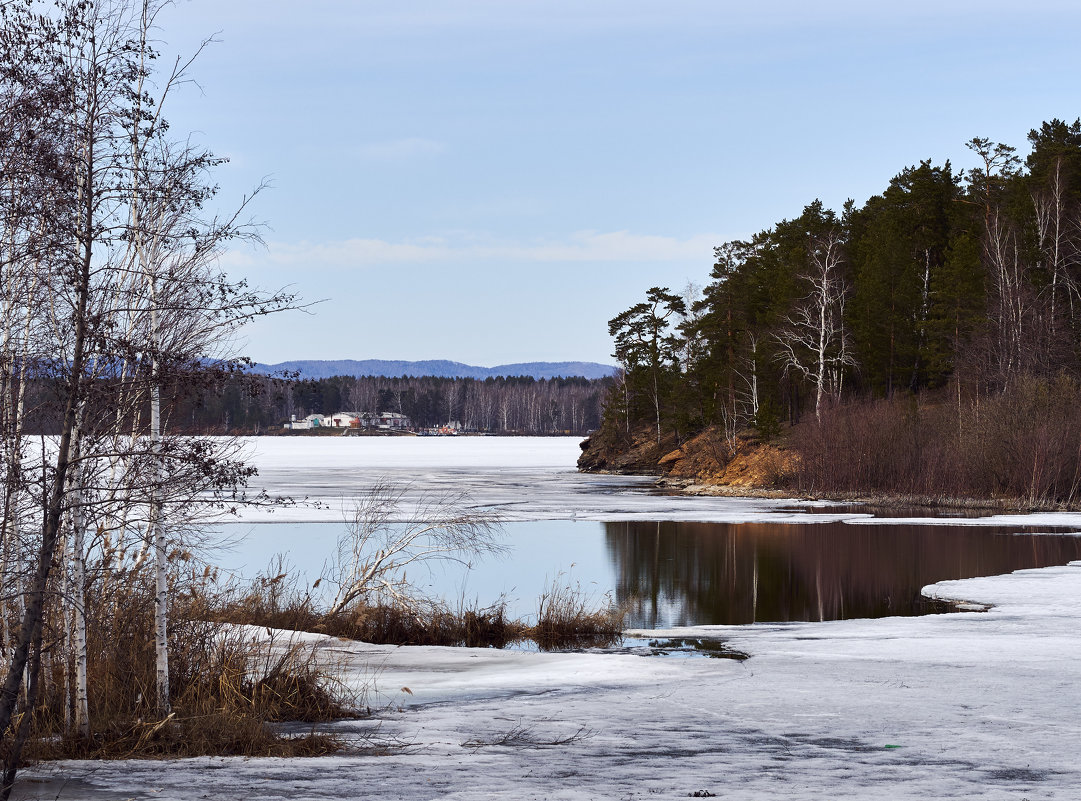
(683, 574)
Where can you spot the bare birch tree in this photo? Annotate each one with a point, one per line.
(813, 341)
(109, 296)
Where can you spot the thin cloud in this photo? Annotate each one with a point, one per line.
(584, 246)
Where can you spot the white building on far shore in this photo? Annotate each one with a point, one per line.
(308, 423)
(387, 421)
(343, 420)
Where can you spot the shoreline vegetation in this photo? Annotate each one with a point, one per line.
(921, 348)
(708, 465)
(364, 592)
(236, 672)
(567, 618)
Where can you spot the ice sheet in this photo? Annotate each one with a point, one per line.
(524, 478)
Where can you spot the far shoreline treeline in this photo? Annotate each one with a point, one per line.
(211, 401)
(257, 404)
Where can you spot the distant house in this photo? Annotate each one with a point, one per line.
(385, 420)
(380, 420)
(308, 423)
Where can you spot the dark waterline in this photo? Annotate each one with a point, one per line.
(683, 574)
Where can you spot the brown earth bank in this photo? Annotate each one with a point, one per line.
(706, 464)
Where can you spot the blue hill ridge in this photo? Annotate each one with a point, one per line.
(440, 368)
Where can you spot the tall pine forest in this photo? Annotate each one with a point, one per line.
(925, 343)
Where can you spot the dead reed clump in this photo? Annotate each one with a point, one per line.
(567, 618)
(426, 623)
(227, 688)
(490, 627)
(273, 599)
(413, 622)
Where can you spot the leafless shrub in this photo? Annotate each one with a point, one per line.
(1023, 444)
(383, 539)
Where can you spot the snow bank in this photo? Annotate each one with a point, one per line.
(1056, 520)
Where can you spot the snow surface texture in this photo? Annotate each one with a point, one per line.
(979, 705)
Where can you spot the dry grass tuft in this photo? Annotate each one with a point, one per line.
(567, 617)
(227, 690)
(277, 603)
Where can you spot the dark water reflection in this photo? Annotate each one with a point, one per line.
(675, 574)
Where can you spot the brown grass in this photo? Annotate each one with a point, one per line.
(566, 618)
(227, 690)
(277, 602)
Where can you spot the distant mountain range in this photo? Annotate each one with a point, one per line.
(441, 368)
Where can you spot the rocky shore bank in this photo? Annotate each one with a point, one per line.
(708, 463)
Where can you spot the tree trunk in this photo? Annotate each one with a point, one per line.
(161, 583)
(78, 589)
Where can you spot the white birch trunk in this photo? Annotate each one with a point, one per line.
(754, 378)
(820, 376)
(78, 604)
(77, 590)
(161, 583)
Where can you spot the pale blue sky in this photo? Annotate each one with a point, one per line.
(491, 181)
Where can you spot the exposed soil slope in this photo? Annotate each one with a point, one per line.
(707, 460)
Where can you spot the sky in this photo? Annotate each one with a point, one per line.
(490, 181)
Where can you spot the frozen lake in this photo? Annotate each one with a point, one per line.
(901, 707)
(524, 478)
(673, 561)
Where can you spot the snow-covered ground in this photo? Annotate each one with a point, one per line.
(978, 705)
